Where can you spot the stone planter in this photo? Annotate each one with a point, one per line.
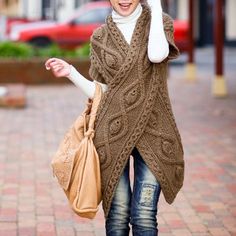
(32, 71)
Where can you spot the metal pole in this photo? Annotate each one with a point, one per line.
(219, 85)
(190, 34)
(219, 37)
(191, 67)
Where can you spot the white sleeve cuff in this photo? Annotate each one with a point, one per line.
(87, 86)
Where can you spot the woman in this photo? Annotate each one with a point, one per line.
(129, 56)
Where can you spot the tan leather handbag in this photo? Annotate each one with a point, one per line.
(76, 162)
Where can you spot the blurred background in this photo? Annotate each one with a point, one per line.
(17, 11)
(45, 28)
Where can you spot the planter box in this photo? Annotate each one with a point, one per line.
(15, 96)
(32, 71)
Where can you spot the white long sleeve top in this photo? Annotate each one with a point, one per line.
(158, 48)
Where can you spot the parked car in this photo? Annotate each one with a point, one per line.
(71, 33)
(78, 28)
(181, 34)
(13, 21)
(6, 24)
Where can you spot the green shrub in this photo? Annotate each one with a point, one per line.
(83, 51)
(50, 51)
(24, 50)
(15, 50)
(54, 50)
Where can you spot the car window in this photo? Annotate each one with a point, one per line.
(93, 16)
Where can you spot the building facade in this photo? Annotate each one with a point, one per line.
(9, 7)
(39, 9)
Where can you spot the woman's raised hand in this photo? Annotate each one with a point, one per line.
(59, 67)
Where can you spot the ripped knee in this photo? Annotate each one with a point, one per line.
(149, 195)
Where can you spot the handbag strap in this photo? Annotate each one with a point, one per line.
(95, 104)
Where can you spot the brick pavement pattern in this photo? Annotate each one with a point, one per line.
(31, 202)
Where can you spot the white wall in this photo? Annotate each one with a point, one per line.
(182, 11)
(66, 10)
(230, 18)
(30, 8)
(33, 8)
(3, 27)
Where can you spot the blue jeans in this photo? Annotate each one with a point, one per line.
(137, 207)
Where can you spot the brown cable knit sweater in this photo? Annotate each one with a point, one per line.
(136, 110)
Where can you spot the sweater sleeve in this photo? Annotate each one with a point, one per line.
(95, 69)
(158, 48)
(87, 86)
(169, 32)
(95, 75)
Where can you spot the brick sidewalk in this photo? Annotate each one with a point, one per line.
(31, 203)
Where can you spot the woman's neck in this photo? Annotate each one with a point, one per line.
(132, 18)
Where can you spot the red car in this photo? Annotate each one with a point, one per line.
(77, 29)
(12, 21)
(72, 32)
(181, 34)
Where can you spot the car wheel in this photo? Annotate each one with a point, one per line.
(40, 42)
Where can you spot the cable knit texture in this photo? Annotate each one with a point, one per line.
(135, 110)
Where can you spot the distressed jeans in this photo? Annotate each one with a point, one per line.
(137, 207)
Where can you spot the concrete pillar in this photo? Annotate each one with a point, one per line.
(230, 19)
(30, 9)
(66, 11)
(182, 9)
(3, 27)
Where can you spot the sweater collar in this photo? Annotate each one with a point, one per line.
(118, 19)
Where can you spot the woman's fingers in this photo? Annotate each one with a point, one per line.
(51, 62)
(58, 67)
(56, 63)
